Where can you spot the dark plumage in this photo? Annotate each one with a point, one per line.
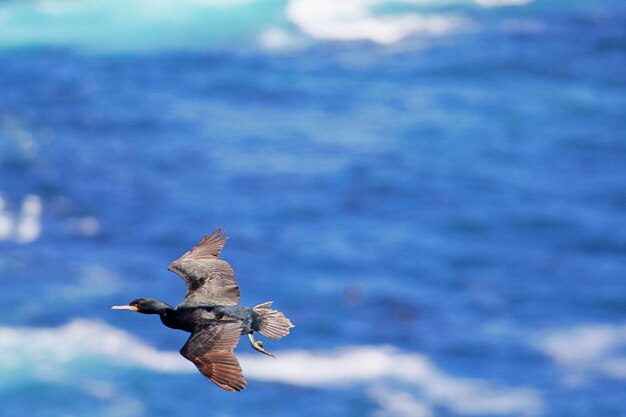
(210, 313)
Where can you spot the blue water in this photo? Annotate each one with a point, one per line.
(434, 193)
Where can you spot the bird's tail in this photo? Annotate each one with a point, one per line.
(274, 324)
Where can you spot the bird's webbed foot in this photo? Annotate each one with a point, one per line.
(258, 345)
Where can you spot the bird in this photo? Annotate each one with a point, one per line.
(210, 312)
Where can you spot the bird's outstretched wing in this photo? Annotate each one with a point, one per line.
(211, 350)
(210, 281)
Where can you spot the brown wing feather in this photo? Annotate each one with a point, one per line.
(223, 369)
(209, 247)
(211, 350)
(209, 280)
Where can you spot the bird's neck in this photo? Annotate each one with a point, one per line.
(158, 307)
(164, 311)
(172, 319)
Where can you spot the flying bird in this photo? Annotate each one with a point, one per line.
(210, 312)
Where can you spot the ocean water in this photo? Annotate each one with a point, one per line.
(433, 191)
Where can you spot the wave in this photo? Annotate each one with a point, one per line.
(139, 25)
(374, 364)
(133, 25)
(586, 351)
(403, 384)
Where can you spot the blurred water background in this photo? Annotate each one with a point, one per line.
(433, 191)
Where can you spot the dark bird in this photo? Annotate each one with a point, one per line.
(211, 314)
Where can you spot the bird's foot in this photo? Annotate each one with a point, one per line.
(258, 345)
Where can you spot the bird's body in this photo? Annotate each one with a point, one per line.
(210, 312)
(191, 319)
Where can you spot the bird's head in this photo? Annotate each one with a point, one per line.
(145, 306)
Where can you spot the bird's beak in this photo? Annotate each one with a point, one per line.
(131, 308)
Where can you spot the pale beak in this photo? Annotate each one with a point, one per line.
(131, 308)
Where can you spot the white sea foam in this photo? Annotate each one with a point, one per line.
(24, 226)
(29, 226)
(585, 351)
(52, 354)
(354, 20)
(357, 20)
(46, 351)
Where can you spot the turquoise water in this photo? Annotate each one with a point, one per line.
(432, 191)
